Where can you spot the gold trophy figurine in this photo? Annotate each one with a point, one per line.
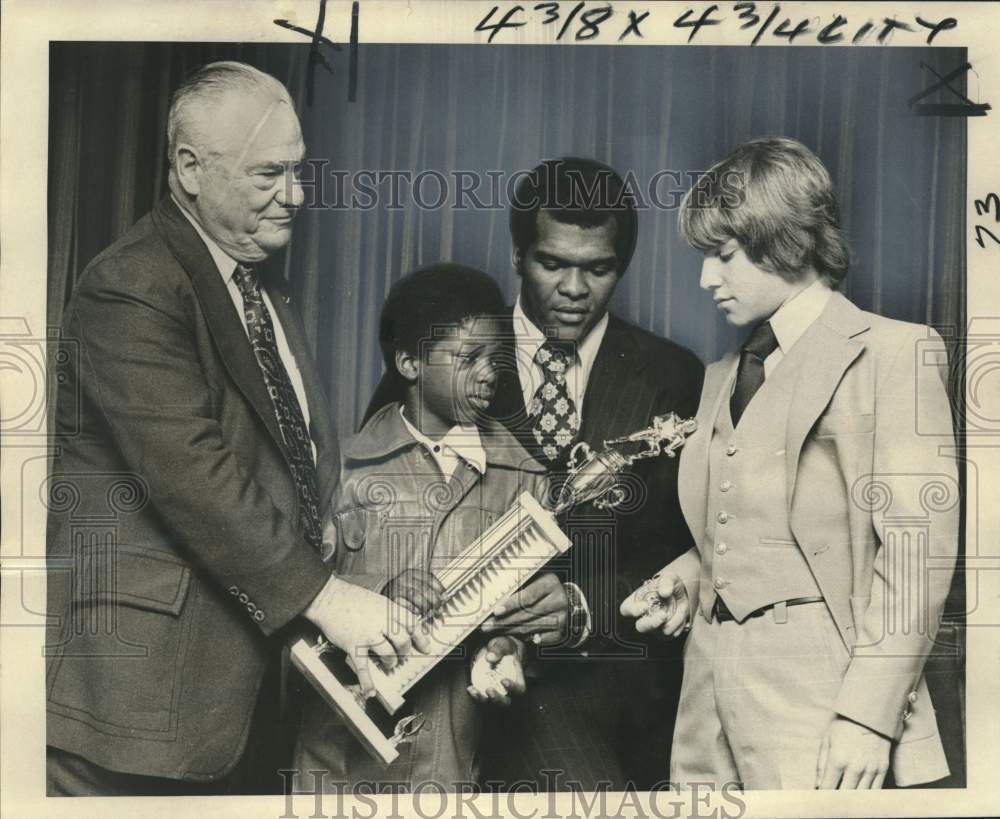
(489, 570)
(594, 476)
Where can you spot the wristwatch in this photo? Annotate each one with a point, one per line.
(580, 623)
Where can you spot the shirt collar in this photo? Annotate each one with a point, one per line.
(794, 317)
(463, 441)
(529, 337)
(225, 263)
(385, 433)
(586, 350)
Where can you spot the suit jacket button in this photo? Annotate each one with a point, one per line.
(731, 449)
(720, 583)
(912, 696)
(723, 517)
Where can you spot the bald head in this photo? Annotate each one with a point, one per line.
(205, 104)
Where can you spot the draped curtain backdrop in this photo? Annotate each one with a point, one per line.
(643, 110)
(900, 177)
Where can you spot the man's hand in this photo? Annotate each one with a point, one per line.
(852, 757)
(497, 671)
(359, 621)
(662, 606)
(416, 589)
(541, 607)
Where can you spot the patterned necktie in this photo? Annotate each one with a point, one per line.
(750, 374)
(286, 406)
(555, 421)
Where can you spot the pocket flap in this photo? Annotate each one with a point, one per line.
(352, 526)
(133, 575)
(845, 424)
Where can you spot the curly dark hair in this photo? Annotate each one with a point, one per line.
(575, 191)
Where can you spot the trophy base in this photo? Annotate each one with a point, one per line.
(308, 659)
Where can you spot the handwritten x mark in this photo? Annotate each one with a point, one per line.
(968, 109)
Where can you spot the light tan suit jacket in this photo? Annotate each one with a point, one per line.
(873, 504)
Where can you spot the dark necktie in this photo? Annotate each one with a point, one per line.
(554, 419)
(750, 375)
(286, 406)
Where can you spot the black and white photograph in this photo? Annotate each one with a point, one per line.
(472, 409)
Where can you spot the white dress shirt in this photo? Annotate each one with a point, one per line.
(793, 318)
(227, 267)
(460, 442)
(528, 338)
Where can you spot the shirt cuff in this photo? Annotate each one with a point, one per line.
(580, 621)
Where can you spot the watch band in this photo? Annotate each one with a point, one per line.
(580, 622)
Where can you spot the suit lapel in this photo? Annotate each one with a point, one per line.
(692, 481)
(832, 349)
(508, 404)
(611, 389)
(217, 306)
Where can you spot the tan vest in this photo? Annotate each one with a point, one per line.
(750, 558)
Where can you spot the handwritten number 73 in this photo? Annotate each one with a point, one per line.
(983, 208)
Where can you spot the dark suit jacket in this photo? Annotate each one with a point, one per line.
(635, 376)
(175, 555)
(595, 714)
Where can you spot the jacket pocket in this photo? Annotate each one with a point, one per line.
(777, 543)
(352, 528)
(845, 424)
(133, 576)
(361, 555)
(120, 661)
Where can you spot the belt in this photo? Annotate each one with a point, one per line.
(722, 613)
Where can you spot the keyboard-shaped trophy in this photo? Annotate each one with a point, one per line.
(492, 568)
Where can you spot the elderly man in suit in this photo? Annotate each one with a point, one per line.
(203, 431)
(571, 372)
(821, 491)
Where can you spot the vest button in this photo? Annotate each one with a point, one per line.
(723, 517)
(720, 583)
(725, 486)
(721, 549)
(731, 449)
